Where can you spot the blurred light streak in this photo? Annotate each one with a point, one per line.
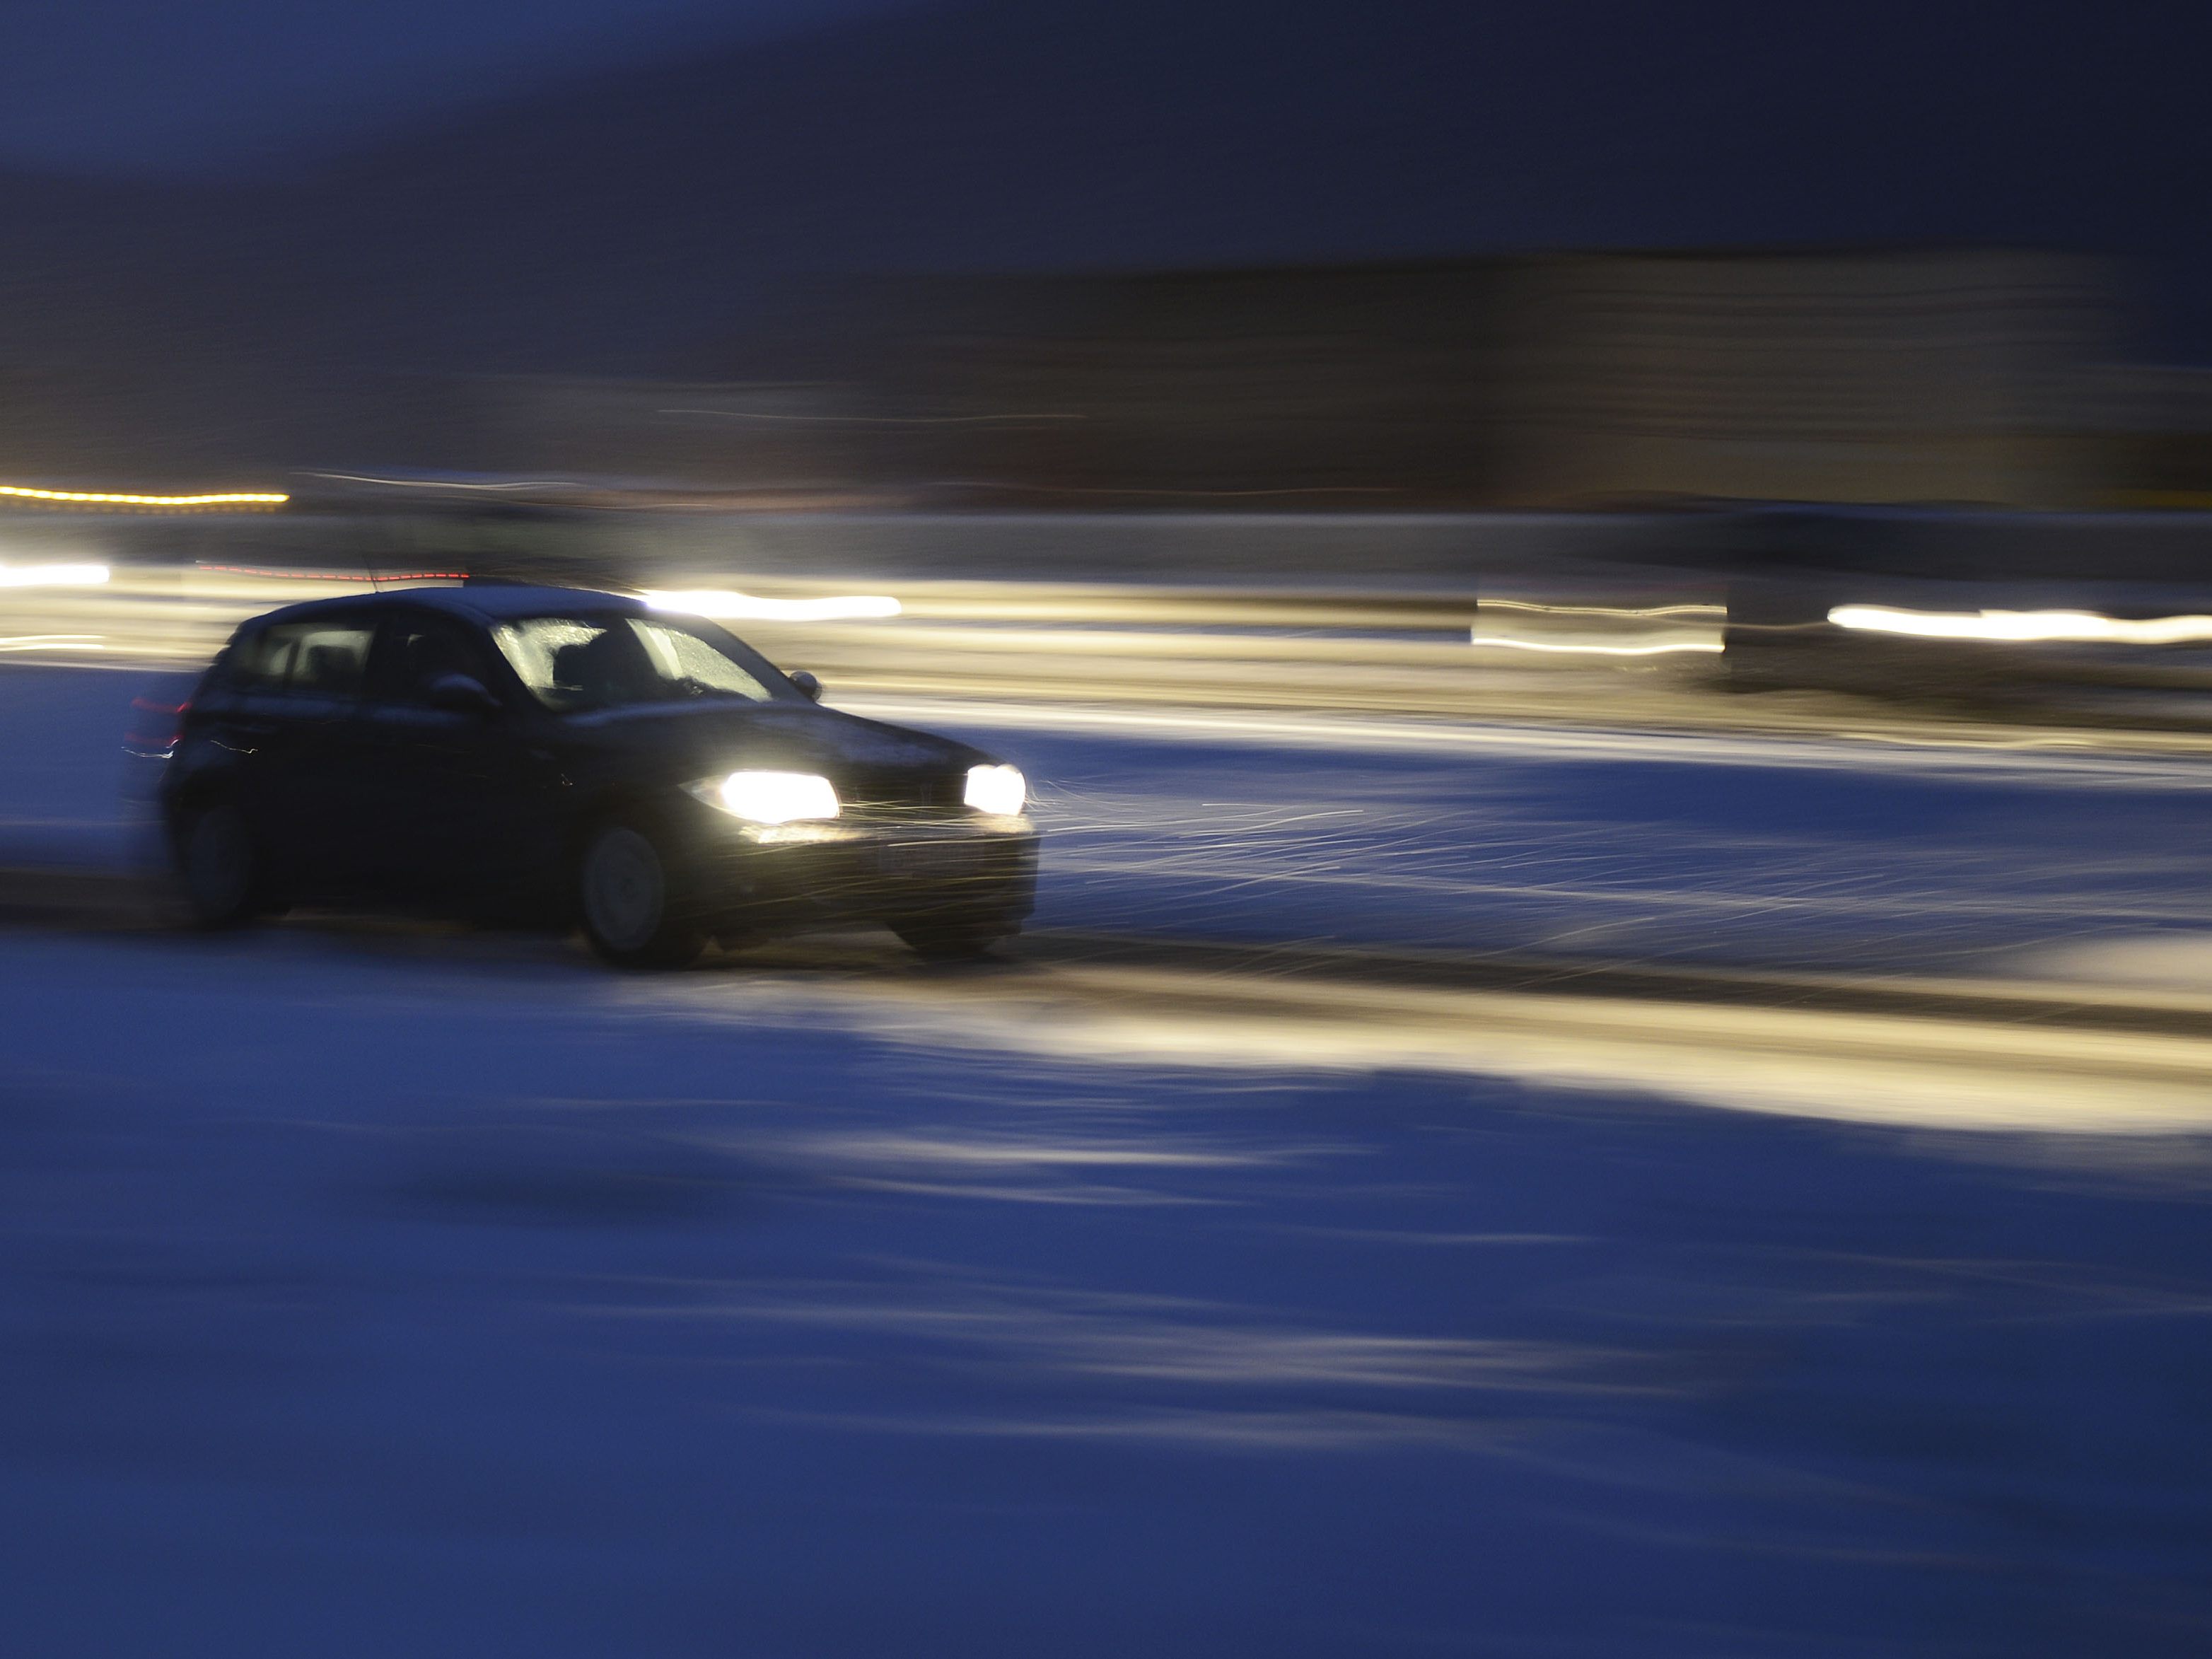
(2023, 627)
(728, 602)
(2075, 757)
(336, 575)
(1704, 612)
(52, 642)
(53, 575)
(1033, 487)
(1246, 1428)
(870, 420)
(1983, 1075)
(502, 485)
(1669, 648)
(1002, 1151)
(242, 498)
(1187, 1340)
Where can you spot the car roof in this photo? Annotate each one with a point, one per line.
(483, 602)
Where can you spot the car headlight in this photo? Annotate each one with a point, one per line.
(998, 790)
(769, 797)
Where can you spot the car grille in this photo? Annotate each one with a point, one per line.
(883, 793)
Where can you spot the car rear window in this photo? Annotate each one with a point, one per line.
(322, 659)
(576, 663)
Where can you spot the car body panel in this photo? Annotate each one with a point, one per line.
(380, 800)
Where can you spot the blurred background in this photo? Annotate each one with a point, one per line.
(1608, 608)
(1423, 305)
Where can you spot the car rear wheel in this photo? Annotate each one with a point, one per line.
(628, 896)
(220, 867)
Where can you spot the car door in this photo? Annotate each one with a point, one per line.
(296, 694)
(449, 797)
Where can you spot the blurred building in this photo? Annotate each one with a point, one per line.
(2154, 428)
(1569, 380)
(786, 443)
(1953, 376)
(1905, 376)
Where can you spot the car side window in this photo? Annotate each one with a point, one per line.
(313, 658)
(415, 653)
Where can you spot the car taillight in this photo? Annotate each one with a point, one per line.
(155, 725)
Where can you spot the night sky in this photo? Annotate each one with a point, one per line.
(156, 86)
(600, 185)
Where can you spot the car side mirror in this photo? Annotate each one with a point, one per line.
(808, 687)
(457, 694)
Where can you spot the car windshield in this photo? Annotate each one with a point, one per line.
(577, 663)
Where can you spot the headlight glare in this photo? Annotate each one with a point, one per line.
(770, 797)
(999, 790)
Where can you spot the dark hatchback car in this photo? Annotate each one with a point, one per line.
(550, 754)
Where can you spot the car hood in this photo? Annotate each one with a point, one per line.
(699, 740)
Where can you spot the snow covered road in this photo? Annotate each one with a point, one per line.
(369, 1289)
(1783, 855)
(366, 1290)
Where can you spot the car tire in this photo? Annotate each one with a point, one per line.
(630, 898)
(952, 938)
(219, 868)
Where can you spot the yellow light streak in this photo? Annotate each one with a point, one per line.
(2023, 627)
(105, 498)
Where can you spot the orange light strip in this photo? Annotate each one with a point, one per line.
(247, 498)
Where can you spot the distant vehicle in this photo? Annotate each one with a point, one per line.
(551, 755)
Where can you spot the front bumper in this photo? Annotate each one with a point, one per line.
(754, 879)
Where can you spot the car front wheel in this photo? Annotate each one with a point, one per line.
(628, 897)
